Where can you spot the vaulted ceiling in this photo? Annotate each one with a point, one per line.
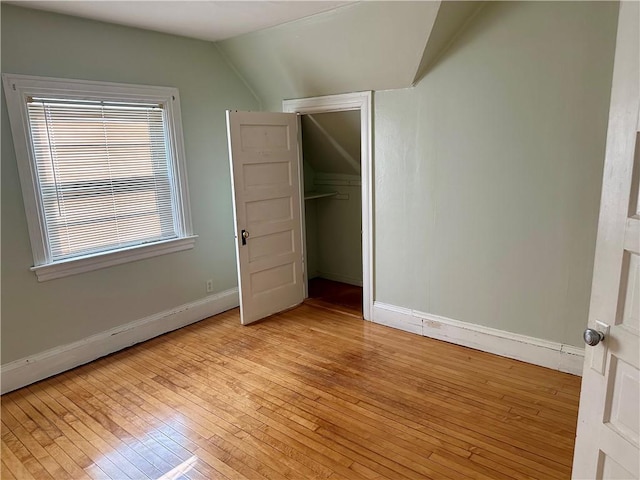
(293, 49)
(211, 20)
(362, 46)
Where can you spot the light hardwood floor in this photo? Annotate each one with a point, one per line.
(306, 394)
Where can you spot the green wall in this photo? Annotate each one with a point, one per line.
(487, 173)
(38, 316)
(491, 168)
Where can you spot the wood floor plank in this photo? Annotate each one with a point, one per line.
(310, 393)
(36, 441)
(77, 437)
(516, 437)
(31, 463)
(154, 459)
(5, 472)
(18, 467)
(451, 402)
(104, 437)
(506, 407)
(524, 384)
(179, 433)
(66, 462)
(412, 442)
(9, 422)
(315, 426)
(219, 440)
(170, 382)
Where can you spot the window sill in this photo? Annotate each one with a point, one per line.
(102, 260)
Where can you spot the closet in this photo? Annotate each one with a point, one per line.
(331, 144)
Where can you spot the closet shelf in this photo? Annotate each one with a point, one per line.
(312, 195)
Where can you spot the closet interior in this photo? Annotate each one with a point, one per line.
(333, 209)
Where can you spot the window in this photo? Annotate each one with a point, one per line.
(102, 172)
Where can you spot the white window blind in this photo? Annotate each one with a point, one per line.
(104, 174)
(102, 169)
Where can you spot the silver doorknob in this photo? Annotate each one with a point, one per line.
(245, 234)
(592, 337)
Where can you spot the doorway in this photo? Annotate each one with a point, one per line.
(337, 210)
(333, 209)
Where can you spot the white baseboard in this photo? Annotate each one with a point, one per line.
(25, 371)
(558, 356)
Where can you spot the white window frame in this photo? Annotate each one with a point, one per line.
(17, 88)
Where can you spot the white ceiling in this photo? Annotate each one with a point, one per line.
(211, 20)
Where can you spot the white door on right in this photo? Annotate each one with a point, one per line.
(607, 442)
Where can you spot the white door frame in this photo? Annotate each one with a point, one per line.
(338, 103)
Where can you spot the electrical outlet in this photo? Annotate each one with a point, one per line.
(209, 286)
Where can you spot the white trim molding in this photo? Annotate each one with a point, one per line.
(28, 370)
(108, 259)
(554, 355)
(361, 101)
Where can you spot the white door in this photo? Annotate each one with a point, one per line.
(609, 421)
(265, 165)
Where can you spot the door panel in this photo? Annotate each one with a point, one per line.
(623, 402)
(276, 174)
(630, 299)
(270, 244)
(263, 148)
(264, 211)
(607, 442)
(612, 470)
